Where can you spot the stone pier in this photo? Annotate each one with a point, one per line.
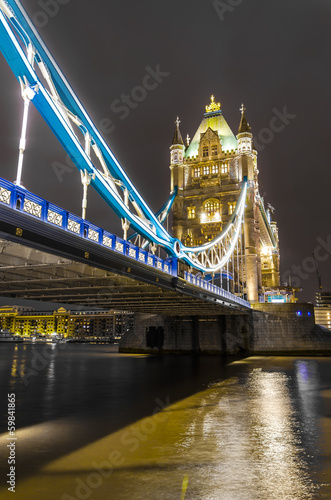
(266, 329)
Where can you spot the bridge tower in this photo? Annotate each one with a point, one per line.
(209, 174)
(177, 152)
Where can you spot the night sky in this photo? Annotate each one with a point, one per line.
(270, 55)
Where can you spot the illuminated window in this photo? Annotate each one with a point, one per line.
(224, 168)
(205, 151)
(214, 150)
(232, 206)
(205, 170)
(212, 207)
(191, 212)
(197, 172)
(214, 169)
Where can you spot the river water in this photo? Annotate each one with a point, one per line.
(95, 424)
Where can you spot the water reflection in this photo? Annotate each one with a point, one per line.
(243, 439)
(282, 470)
(253, 435)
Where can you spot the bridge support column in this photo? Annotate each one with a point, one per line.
(195, 334)
(187, 334)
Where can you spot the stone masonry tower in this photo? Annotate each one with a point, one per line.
(208, 173)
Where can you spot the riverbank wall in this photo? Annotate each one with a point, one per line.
(267, 329)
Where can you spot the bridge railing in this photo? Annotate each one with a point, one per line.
(206, 285)
(23, 201)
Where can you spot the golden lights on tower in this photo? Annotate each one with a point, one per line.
(213, 106)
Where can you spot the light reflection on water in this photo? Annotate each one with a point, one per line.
(246, 440)
(253, 435)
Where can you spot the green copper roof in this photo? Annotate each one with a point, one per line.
(215, 121)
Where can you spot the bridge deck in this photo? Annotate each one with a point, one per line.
(117, 275)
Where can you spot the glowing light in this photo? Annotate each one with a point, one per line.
(213, 106)
(265, 250)
(29, 93)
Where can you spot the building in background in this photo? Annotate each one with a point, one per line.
(323, 309)
(208, 172)
(28, 322)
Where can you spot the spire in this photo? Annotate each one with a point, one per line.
(177, 136)
(244, 125)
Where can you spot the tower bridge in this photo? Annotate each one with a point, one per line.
(50, 254)
(223, 251)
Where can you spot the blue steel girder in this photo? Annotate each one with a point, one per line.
(60, 107)
(161, 214)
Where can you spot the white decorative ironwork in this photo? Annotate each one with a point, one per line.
(32, 208)
(159, 265)
(107, 241)
(132, 253)
(119, 246)
(73, 226)
(5, 195)
(166, 268)
(141, 257)
(93, 235)
(212, 256)
(150, 261)
(54, 218)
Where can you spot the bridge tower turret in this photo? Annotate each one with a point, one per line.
(177, 151)
(247, 166)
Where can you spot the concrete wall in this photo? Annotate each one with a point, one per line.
(207, 334)
(268, 329)
(287, 328)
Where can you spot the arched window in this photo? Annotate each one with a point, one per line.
(205, 170)
(232, 206)
(214, 150)
(224, 168)
(191, 213)
(214, 169)
(211, 207)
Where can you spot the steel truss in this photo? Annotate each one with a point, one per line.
(43, 83)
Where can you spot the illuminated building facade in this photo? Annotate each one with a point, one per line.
(208, 172)
(65, 323)
(323, 309)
